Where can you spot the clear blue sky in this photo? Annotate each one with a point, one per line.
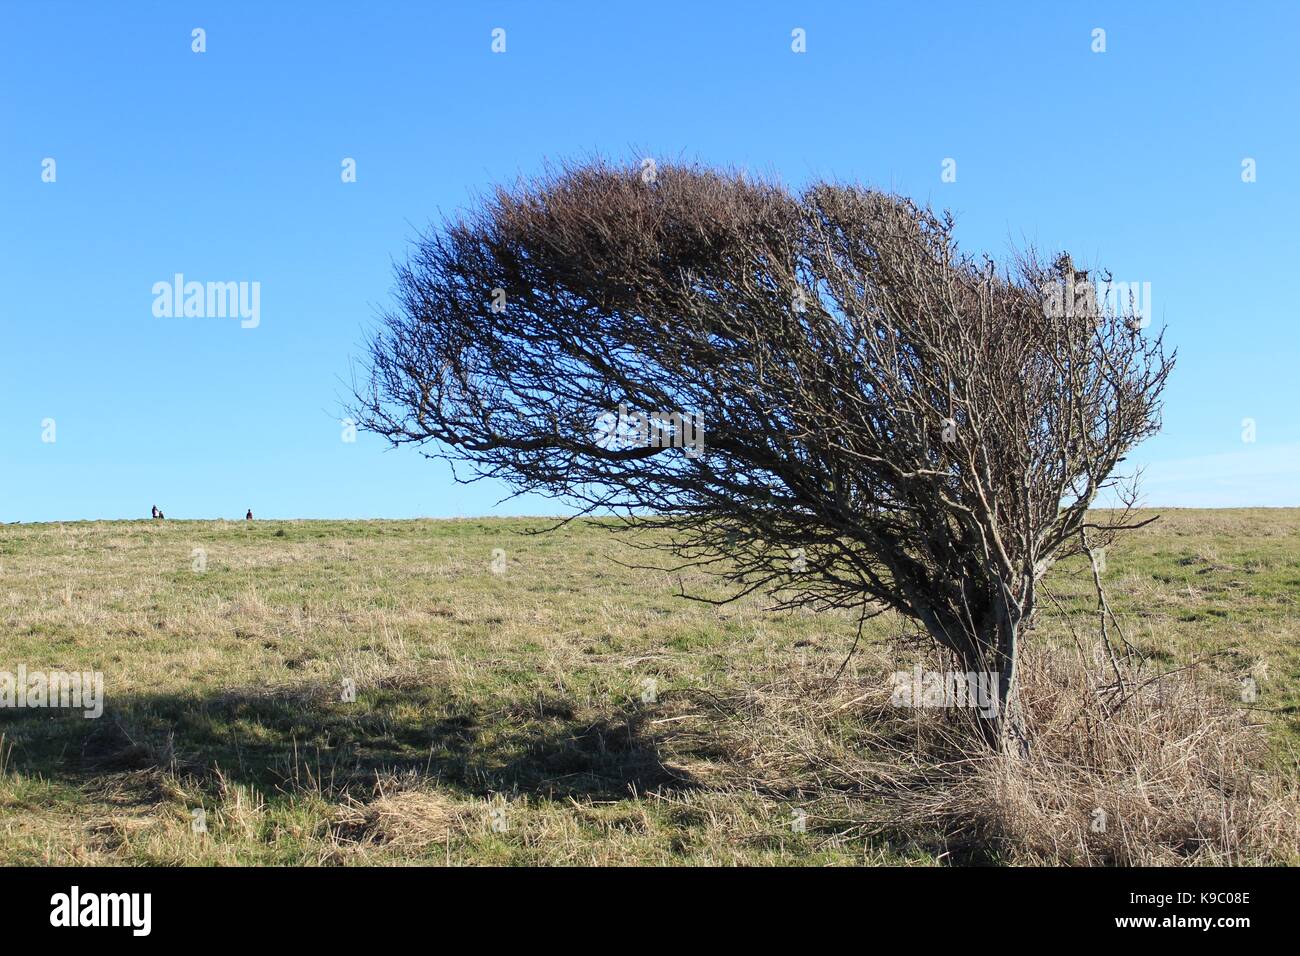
(226, 165)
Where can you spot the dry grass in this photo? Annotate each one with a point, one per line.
(1172, 770)
(1182, 771)
(401, 814)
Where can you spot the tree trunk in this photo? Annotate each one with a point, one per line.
(1013, 737)
(994, 651)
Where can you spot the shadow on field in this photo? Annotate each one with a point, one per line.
(305, 739)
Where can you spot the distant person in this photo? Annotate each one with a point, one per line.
(161, 516)
(156, 512)
(249, 516)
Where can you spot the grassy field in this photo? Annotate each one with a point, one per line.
(537, 704)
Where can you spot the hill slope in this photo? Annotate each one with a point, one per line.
(539, 703)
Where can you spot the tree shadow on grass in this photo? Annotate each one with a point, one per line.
(305, 738)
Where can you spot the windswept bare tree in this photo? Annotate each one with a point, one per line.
(815, 394)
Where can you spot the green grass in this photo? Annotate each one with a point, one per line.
(486, 698)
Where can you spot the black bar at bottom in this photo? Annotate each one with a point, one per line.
(343, 906)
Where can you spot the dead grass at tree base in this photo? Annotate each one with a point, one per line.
(1179, 773)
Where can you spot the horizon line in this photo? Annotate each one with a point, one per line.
(556, 517)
